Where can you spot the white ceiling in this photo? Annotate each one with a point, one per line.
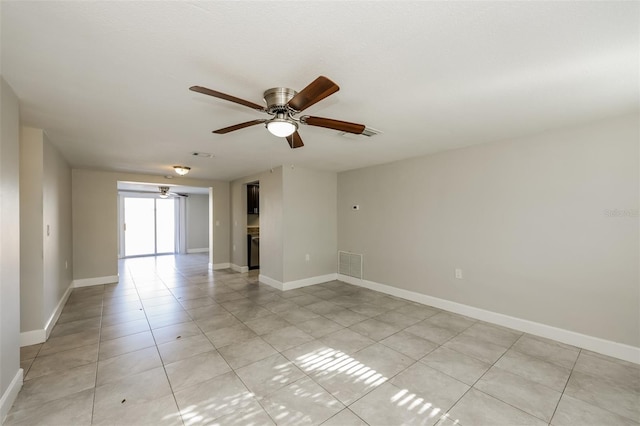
(108, 81)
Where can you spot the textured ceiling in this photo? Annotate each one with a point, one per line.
(108, 81)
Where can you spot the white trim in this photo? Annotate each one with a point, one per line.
(198, 250)
(290, 285)
(241, 269)
(57, 311)
(305, 282)
(87, 282)
(10, 395)
(181, 227)
(216, 266)
(270, 282)
(596, 344)
(33, 337)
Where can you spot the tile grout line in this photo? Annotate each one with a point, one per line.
(217, 351)
(95, 381)
(565, 385)
(226, 362)
(388, 379)
(444, 416)
(154, 341)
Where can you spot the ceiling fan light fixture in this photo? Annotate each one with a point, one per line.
(164, 191)
(282, 127)
(181, 170)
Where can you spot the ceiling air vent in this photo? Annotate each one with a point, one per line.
(202, 154)
(368, 131)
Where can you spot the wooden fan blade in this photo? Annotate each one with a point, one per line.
(295, 141)
(226, 97)
(329, 123)
(238, 126)
(319, 89)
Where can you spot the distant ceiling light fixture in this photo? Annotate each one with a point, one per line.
(181, 170)
(282, 126)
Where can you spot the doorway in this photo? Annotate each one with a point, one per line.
(253, 225)
(149, 226)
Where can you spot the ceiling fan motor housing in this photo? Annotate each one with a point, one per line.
(277, 99)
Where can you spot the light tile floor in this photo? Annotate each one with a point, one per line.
(174, 343)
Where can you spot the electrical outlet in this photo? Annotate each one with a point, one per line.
(217, 223)
(234, 247)
(307, 257)
(66, 264)
(459, 273)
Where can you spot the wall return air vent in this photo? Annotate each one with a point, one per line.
(350, 264)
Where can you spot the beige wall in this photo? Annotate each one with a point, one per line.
(56, 207)
(310, 220)
(9, 244)
(31, 229)
(197, 221)
(528, 221)
(95, 225)
(271, 224)
(45, 202)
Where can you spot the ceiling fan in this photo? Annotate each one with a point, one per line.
(165, 192)
(283, 105)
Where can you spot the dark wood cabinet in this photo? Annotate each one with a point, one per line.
(253, 199)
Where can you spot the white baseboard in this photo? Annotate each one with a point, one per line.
(241, 269)
(595, 344)
(34, 337)
(57, 311)
(216, 266)
(305, 282)
(198, 250)
(290, 285)
(10, 395)
(86, 282)
(270, 282)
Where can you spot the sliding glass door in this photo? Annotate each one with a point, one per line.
(149, 226)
